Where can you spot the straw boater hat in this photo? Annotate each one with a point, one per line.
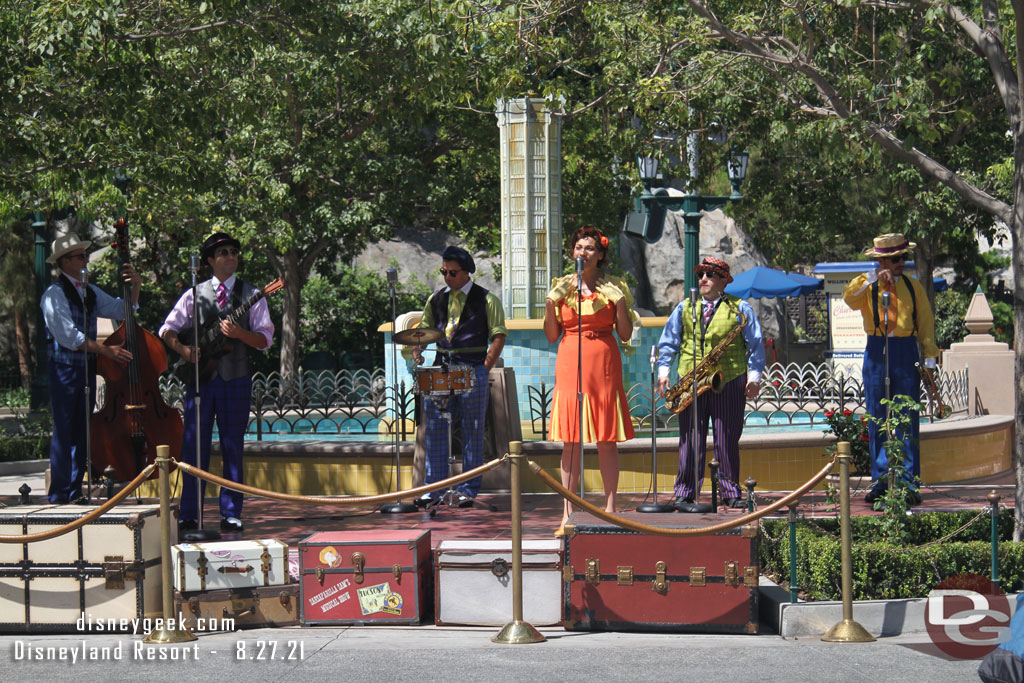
(63, 245)
(890, 244)
(714, 265)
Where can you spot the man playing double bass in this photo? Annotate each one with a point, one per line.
(70, 309)
(226, 394)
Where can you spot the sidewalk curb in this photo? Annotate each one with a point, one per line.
(881, 618)
(24, 467)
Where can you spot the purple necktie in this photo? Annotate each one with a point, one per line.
(222, 296)
(709, 309)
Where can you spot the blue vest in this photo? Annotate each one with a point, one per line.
(235, 364)
(471, 330)
(83, 317)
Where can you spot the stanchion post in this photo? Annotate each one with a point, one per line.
(517, 631)
(178, 634)
(794, 588)
(993, 499)
(751, 484)
(847, 630)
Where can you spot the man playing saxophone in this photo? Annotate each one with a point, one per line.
(725, 337)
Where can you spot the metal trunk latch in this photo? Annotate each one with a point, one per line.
(116, 570)
(698, 577)
(396, 571)
(499, 567)
(593, 574)
(267, 566)
(241, 607)
(660, 583)
(732, 573)
(358, 562)
(625, 576)
(320, 575)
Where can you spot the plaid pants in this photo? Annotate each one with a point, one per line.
(471, 411)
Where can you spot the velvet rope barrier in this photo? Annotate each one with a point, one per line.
(556, 485)
(342, 500)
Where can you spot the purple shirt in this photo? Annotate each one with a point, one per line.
(180, 316)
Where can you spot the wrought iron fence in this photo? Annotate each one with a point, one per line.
(791, 395)
(326, 402)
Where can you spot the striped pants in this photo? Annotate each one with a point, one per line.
(726, 412)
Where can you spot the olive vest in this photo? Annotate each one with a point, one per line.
(733, 362)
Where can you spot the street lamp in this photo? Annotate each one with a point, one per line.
(656, 201)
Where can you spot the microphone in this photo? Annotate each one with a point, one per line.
(83, 275)
(579, 264)
(392, 275)
(193, 262)
(885, 299)
(654, 355)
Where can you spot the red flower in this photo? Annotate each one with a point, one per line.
(829, 414)
(847, 412)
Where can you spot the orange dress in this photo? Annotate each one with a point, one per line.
(605, 410)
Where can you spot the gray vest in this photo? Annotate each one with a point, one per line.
(235, 364)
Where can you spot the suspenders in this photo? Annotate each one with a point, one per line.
(874, 301)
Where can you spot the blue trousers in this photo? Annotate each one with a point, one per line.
(726, 412)
(471, 411)
(904, 378)
(228, 403)
(68, 444)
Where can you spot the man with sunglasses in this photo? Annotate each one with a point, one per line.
(910, 332)
(70, 309)
(472, 323)
(226, 395)
(742, 364)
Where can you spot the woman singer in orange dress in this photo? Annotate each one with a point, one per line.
(605, 307)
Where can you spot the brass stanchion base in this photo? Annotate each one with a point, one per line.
(848, 631)
(518, 633)
(164, 636)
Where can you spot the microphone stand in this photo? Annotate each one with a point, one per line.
(888, 391)
(198, 534)
(579, 363)
(84, 276)
(696, 506)
(397, 506)
(654, 506)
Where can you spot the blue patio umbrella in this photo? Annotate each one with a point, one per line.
(809, 284)
(760, 282)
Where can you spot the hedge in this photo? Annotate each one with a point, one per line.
(14, 448)
(884, 571)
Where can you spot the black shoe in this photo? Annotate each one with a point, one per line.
(230, 524)
(187, 525)
(734, 503)
(679, 500)
(874, 494)
(462, 501)
(424, 501)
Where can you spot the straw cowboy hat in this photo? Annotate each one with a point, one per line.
(890, 244)
(63, 245)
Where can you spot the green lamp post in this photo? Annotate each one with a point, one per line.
(656, 201)
(39, 395)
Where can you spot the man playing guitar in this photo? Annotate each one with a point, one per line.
(226, 394)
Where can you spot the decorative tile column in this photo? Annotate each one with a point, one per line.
(531, 202)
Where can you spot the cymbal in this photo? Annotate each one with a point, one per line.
(417, 336)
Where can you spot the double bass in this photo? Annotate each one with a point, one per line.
(134, 419)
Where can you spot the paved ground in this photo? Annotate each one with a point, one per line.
(430, 653)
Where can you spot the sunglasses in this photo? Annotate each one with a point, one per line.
(227, 251)
(72, 257)
(708, 274)
(453, 273)
(894, 259)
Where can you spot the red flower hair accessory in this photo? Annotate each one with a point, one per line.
(604, 242)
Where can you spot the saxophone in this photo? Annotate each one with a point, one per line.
(679, 397)
(938, 409)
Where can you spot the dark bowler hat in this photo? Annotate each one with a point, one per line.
(215, 240)
(460, 256)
